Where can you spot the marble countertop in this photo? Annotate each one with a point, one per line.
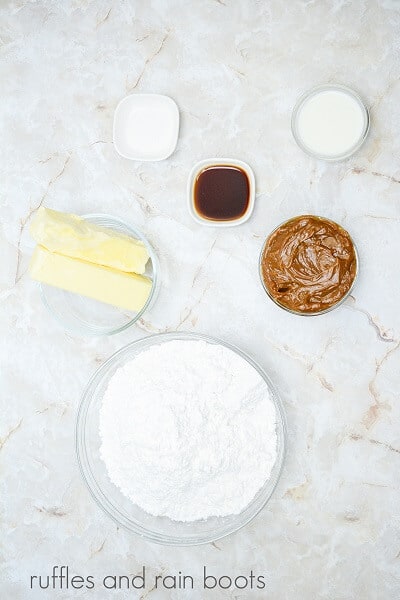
(235, 69)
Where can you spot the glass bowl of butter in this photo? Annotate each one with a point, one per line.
(89, 285)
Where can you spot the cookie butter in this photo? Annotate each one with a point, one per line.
(308, 264)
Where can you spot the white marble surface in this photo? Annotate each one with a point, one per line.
(235, 68)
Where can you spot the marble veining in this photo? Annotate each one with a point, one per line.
(235, 69)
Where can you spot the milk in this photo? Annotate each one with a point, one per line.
(331, 123)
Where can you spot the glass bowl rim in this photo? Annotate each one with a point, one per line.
(77, 329)
(312, 92)
(291, 310)
(94, 488)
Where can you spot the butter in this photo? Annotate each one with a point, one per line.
(126, 290)
(73, 236)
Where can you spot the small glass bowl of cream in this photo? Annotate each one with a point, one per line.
(330, 122)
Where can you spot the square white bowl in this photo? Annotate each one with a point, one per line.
(220, 162)
(146, 127)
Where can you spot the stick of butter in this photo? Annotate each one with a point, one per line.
(126, 290)
(73, 236)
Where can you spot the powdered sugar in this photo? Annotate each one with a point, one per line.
(188, 430)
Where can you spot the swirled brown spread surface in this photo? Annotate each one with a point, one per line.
(308, 264)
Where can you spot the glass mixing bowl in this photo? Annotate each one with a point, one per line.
(86, 316)
(159, 529)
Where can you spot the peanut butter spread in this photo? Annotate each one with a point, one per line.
(308, 264)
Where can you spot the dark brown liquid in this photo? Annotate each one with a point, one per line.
(221, 193)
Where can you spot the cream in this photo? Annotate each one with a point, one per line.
(330, 122)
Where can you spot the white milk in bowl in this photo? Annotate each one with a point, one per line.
(330, 122)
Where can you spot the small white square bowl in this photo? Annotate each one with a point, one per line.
(146, 127)
(220, 162)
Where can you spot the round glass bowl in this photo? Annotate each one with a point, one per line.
(161, 530)
(330, 122)
(90, 317)
(296, 312)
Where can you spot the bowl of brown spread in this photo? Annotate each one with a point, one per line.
(308, 265)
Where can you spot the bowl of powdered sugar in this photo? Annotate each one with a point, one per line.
(180, 438)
